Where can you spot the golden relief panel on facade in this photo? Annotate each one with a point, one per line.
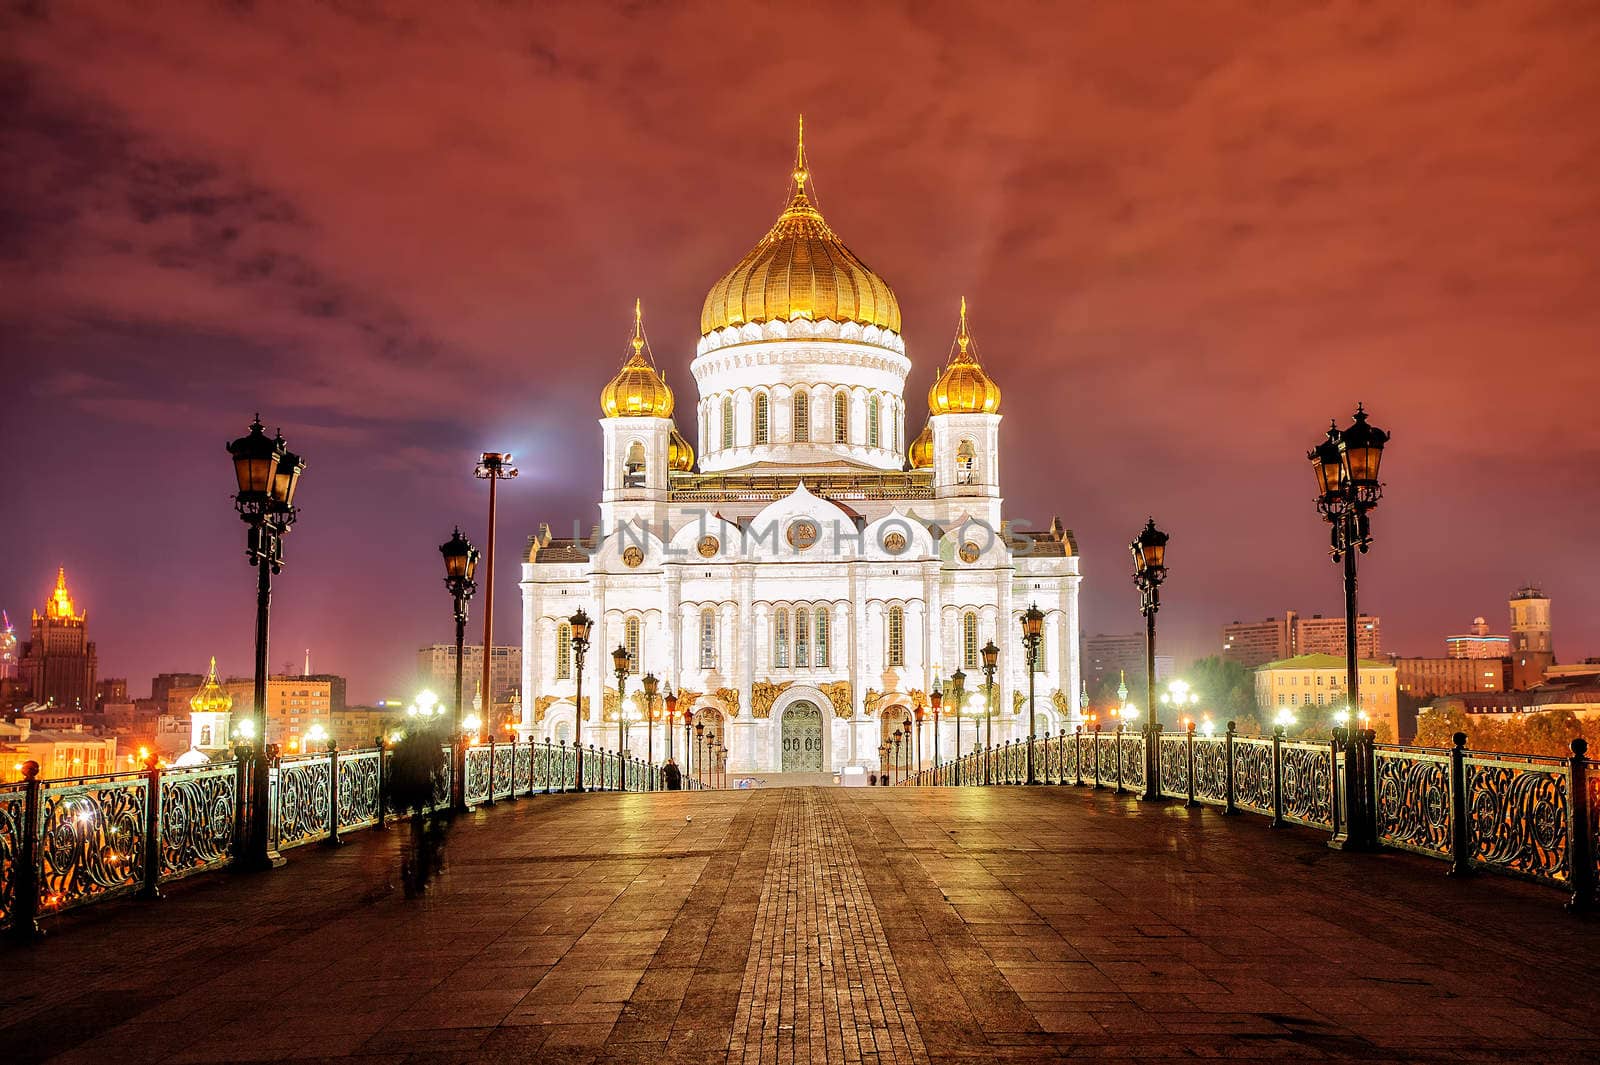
(763, 693)
(1060, 701)
(870, 700)
(838, 693)
(729, 698)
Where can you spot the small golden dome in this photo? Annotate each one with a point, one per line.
(638, 390)
(680, 456)
(921, 453)
(212, 698)
(963, 387)
(800, 270)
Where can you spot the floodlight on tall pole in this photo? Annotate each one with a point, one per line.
(494, 467)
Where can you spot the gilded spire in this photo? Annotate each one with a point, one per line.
(963, 337)
(59, 605)
(801, 171)
(638, 326)
(963, 387)
(637, 390)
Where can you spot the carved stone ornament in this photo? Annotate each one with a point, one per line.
(969, 552)
(708, 546)
(802, 534)
(870, 701)
(1017, 699)
(838, 693)
(633, 557)
(542, 705)
(919, 698)
(894, 542)
(1062, 704)
(729, 697)
(763, 693)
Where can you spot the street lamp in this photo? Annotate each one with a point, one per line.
(619, 665)
(267, 474)
(1032, 638)
(958, 696)
(672, 710)
(991, 655)
(650, 686)
(918, 715)
(494, 467)
(896, 771)
(1149, 551)
(699, 750)
(460, 569)
(1346, 468)
(688, 748)
(580, 625)
(937, 701)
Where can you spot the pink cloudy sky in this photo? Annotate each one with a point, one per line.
(1189, 233)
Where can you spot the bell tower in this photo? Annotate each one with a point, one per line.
(638, 437)
(964, 418)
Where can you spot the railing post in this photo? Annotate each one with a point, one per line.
(333, 795)
(1188, 755)
(1580, 837)
(1366, 740)
(25, 900)
(1116, 754)
(243, 759)
(1152, 762)
(1096, 746)
(1227, 771)
(151, 889)
(1077, 753)
(1277, 777)
(488, 800)
(1460, 833)
(383, 784)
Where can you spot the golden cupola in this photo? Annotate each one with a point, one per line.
(680, 456)
(962, 387)
(800, 270)
(920, 454)
(212, 698)
(638, 390)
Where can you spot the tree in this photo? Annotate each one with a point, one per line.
(1227, 690)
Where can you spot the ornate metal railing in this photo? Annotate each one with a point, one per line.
(1520, 815)
(66, 843)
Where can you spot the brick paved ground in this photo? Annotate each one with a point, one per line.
(809, 925)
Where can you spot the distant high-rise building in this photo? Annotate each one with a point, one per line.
(1108, 655)
(436, 669)
(1426, 678)
(8, 648)
(1479, 643)
(1253, 643)
(59, 659)
(1317, 635)
(294, 704)
(1532, 651)
(110, 690)
(162, 685)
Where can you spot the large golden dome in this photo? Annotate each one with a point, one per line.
(963, 387)
(920, 454)
(638, 390)
(212, 698)
(800, 270)
(680, 456)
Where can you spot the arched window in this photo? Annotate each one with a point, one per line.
(874, 409)
(822, 637)
(841, 417)
(633, 466)
(763, 417)
(205, 735)
(969, 640)
(708, 639)
(897, 637)
(802, 416)
(630, 640)
(727, 421)
(780, 639)
(802, 637)
(966, 455)
(563, 651)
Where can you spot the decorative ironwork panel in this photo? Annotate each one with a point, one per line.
(198, 808)
(1211, 770)
(1069, 760)
(522, 779)
(1594, 823)
(1252, 775)
(304, 792)
(1413, 794)
(443, 782)
(505, 760)
(91, 839)
(1105, 748)
(1133, 760)
(477, 773)
(12, 808)
(1308, 784)
(358, 789)
(1517, 815)
(1173, 752)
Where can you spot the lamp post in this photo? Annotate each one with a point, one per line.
(711, 750)
(267, 474)
(494, 467)
(918, 715)
(650, 686)
(958, 707)
(1149, 551)
(460, 569)
(896, 773)
(991, 655)
(619, 666)
(1346, 468)
(671, 701)
(699, 750)
(937, 701)
(1032, 638)
(688, 748)
(580, 625)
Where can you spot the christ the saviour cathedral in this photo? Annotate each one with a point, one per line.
(807, 582)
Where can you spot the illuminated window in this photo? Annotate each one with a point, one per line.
(966, 456)
(802, 416)
(708, 638)
(874, 410)
(780, 639)
(897, 637)
(563, 651)
(630, 640)
(969, 640)
(841, 417)
(763, 417)
(727, 421)
(822, 637)
(802, 637)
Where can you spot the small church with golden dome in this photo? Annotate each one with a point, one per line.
(811, 575)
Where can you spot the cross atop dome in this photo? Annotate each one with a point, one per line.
(638, 390)
(963, 387)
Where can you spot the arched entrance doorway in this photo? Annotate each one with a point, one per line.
(801, 734)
